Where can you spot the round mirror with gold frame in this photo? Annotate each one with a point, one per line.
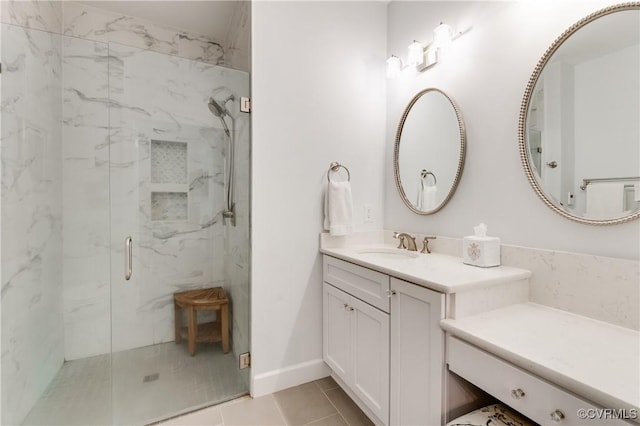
(429, 151)
(578, 129)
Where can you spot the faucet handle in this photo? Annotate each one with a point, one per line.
(425, 244)
(398, 235)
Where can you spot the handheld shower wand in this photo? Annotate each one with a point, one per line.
(219, 110)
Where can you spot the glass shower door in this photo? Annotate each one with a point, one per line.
(168, 165)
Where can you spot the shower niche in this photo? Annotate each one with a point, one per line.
(169, 187)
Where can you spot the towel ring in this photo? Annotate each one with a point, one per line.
(424, 173)
(334, 167)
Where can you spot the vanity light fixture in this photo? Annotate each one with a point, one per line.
(442, 36)
(394, 65)
(415, 55)
(420, 56)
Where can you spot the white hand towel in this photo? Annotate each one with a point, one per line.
(338, 208)
(429, 198)
(420, 198)
(605, 199)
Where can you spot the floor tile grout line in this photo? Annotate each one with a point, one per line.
(275, 400)
(334, 406)
(325, 417)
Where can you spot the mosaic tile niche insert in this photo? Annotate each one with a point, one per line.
(169, 189)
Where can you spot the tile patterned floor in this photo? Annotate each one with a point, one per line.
(318, 403)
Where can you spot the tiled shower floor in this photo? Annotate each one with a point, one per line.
(149, 384)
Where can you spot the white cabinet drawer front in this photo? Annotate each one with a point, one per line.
(363, 283)
(534, 397)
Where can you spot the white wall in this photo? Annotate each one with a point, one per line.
(318, 91)
(486, 72)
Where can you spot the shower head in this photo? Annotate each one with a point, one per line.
(218, 108)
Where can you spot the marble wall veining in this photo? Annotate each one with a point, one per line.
(35, 15)
(87, 22)
(31, 186)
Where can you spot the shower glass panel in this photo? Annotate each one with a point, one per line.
(100, 142)
(168, 173)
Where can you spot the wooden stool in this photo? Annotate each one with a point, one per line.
(202, 299)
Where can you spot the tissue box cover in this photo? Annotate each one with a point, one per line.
(481, 251)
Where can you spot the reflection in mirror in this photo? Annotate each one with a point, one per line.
(579, 129)
(429, 151)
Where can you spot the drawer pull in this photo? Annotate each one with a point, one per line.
(557, 416)
(517, 394)
(347, 307)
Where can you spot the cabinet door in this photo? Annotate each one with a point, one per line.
(370, 351)
(417, 355)
(336, 331)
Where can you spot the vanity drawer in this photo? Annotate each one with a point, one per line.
(538, 399)
(365, 284)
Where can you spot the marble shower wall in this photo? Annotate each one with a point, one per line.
(85, 154)
(157, 99)
(35, 15)
(31, 186)
(85, 203)
(87, 22)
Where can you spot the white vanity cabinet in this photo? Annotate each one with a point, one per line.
(417, 355)
(382, 339)
(532, 396)
(356, 347)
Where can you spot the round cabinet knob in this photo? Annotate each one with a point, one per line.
(557, 416)
(391, 293)
(517, 394)
(552, 164)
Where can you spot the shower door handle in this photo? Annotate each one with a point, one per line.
(128, 258)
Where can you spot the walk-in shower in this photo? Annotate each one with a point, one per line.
(219, 109)
(100, 142)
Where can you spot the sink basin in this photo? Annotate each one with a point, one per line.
(388, 253)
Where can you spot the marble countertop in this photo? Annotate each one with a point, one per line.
(591, 358)
(439, 272)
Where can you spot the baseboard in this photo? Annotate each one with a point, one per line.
(283, 378)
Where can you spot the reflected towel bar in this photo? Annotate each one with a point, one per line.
(424, 173)
(586, 182)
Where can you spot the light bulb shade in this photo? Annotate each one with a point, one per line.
(415, 55)
(442, 35)
(394, 64)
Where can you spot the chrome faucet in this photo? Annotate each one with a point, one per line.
(406, 241)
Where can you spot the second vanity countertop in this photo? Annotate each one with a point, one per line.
(439, 272)
(586, 356)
